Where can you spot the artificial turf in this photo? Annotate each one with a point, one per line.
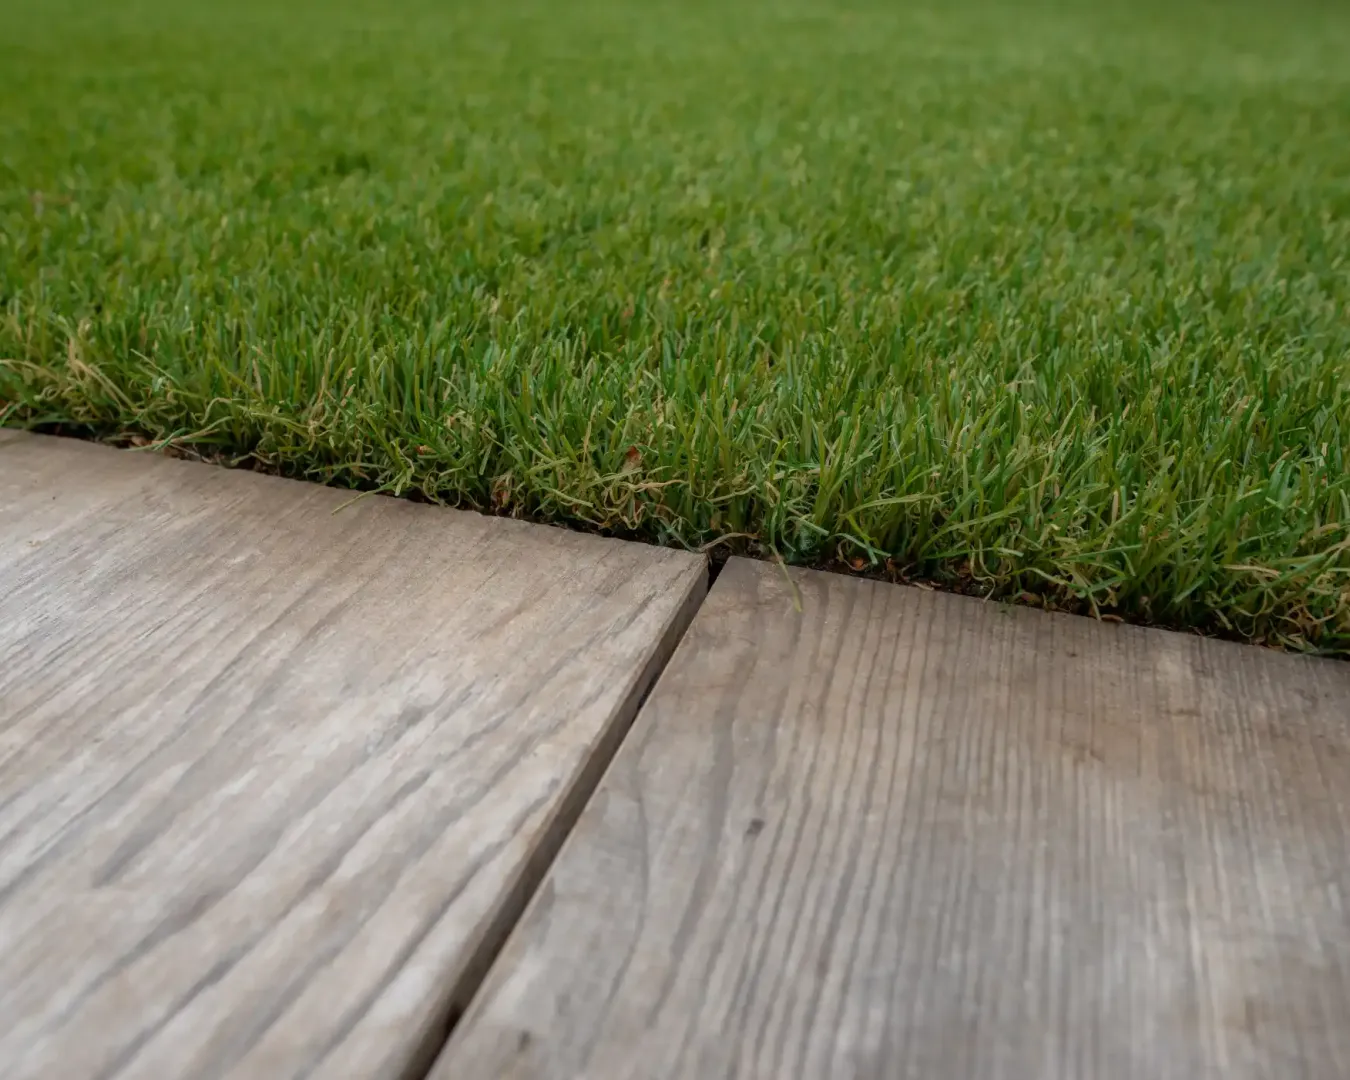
(1035, 299)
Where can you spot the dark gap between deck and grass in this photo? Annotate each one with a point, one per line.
(939, 578)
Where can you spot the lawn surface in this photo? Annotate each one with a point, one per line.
(1043, 300)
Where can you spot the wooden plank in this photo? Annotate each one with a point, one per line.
(274, 776)
(902, 834)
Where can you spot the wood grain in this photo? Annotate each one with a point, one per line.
(274, 779)
(902, 834)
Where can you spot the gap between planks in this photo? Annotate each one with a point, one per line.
(546, 851)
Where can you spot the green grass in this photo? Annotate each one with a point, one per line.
(1040, 300)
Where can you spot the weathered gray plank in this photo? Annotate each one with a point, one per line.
(273, 777)
(902, 834)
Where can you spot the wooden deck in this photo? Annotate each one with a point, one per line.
(902, 834)
(277, 780)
